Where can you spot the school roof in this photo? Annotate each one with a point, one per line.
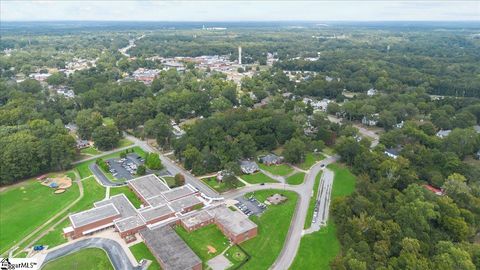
(178, 192)
(148, 186)
(185, 202)
(123, 205)
(196, 219)
(157, 200)
(169, 248)
(129, 223)
(233, 221)
(93, 215)
(152, 213)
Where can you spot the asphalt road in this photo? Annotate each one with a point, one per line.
(115, 253)
(292, 241)
(174, 168)
(365, 132)
(102, 177)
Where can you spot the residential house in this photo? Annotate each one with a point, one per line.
(271, 159)
(393, 152)
(372, 92)
(372, 120)
(443, 133)
(248, 167)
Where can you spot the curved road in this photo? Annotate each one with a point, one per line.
(292, 241)
(115, 252)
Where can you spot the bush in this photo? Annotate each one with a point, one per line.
(179, 179)
(141, 170)
(102, 164)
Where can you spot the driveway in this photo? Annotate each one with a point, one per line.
(115, 253)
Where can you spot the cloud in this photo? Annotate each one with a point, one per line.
(239, 10)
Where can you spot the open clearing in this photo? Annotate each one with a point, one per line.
(221, 187)
(141, 251)
(90, 258)
(273, 226)
(318, 249)
(282, 169)
(257, 178)
(25, 207)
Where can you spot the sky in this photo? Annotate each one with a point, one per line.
(264, 10)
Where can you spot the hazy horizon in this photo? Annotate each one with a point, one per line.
(239, 11)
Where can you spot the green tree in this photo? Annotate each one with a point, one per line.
(295, 151)
(179, 180)
(153, 162)
(106, 137)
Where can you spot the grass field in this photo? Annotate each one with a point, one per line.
(170, 180)
(200, 240)
(311, 206)
(140, 251)
(92, 192)
(310, 159)
(236, 256)
(124, 143)
(257, 178)
(273, 226)
(296, 179)
(90, 151)
(318, 249)
(221, 187)
(344, 180)
(91, 258)
(282, 169)
(25, 207)
(128, 192)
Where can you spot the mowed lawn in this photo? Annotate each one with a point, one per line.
(92, 192)
(296, 179)
(282, 169)
(257, 178)
(273, 226)
(90, 151)
(25, 207)
(206, 242)
(310, 159)
(318, 249)
(128, 192)
(221, 187)
(141, 251)
(90, 258)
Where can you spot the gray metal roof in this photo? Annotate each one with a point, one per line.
(233, 221)
(129, 223)
(121, 202)
(170, 249)
(93, 215)
(151, 213)
(178, 192)
(148, 186)
(185, 202)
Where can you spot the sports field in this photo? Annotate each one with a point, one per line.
(26, 206)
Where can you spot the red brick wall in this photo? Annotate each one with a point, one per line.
(78, 232)
(132, 231)
(197, 226)
(155, 220)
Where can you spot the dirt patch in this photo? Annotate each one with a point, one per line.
(57, 182)
(211, 249)
(59, 191)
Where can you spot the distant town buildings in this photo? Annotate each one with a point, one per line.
(372, 92)
(371, 120)
(41, 77)
(145, 75)
(443, 133)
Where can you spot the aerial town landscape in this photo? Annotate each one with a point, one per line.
(184, 136)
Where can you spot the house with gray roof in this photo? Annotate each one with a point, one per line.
(248, 167)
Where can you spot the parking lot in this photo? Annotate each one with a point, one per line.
(125, 168)
(250, 206)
